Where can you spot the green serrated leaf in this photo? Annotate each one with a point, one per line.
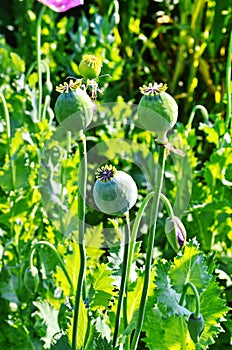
(72, 264)
(93, 242)
(212, 135)
(49, 316)
(213, 312)
(101, 290)
(167, 296)
(189, 266)
(165, 333)
(133, 298)
(102, 328)
(61, 344)
(115, 259)
(82, 326)
(98, 335)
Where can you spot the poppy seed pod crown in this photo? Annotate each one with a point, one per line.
(90, 67)
(114, 192)
(157, 110)
(73, 108)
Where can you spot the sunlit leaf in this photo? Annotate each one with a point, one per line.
(82, 326)
(101, 290)
(49, 316)
(72, 264)
(165, 333)
(213, 312)
(189, 267)
(167, 297)
(18, 62)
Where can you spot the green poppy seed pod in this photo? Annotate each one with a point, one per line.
(31, 279)
(114, 192)
(157, 110)
(73, 108)
(90, 67)
(195, 327)
(175, 233)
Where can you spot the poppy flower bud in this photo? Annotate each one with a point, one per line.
(31, 279)
(175, 233)
(195, 326)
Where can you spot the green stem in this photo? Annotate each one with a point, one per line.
(192, 115)
(42, 243)
(49, 85)
(69, 141)
(197, 298)
(137, 221)
(46, 105)
(125, 319)
(151, 237)
(7, 118)
(80, 290)
(38, 54)
(228, 82)
(167, 204)
(8, 139)
(123, 287)
(29, 71)
(135, 230)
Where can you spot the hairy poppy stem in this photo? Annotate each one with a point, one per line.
(81, 216)
(123, 285)
(151, 237)
(196, 295)
(38, 53)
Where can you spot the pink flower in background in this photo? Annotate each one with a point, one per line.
(61, 5)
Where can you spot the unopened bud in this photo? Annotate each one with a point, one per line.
(195, 327)
(175, 232)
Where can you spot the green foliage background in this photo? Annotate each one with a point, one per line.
(182, 43)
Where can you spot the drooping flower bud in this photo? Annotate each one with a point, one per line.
(195, 327)
(175, 233)
(31, 279)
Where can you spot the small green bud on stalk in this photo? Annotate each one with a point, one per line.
(175, 233)
(31, 279)
(157, 110)
(195, 326)
(114, 192)
(90, 67)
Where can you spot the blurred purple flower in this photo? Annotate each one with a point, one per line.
(61, 5)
